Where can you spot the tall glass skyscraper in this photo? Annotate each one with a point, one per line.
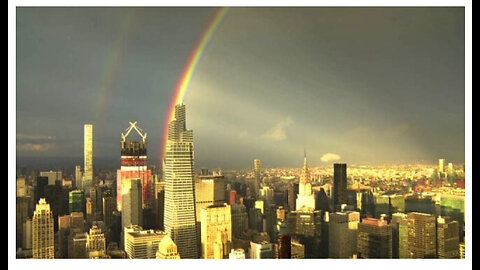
(180, 218)
(88, 157)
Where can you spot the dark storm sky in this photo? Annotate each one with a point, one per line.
(357, 85)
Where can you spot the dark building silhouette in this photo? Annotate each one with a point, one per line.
(41, 183)
(284, 247)
(321, 201)
(292, 196)
(339, 185)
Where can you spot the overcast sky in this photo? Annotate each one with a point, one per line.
(355, 85)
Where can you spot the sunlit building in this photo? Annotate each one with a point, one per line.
(134, 166)
(209, 190)
(42, 231)
(305, 198)
(256, 171)
(421, 235)
(216, 231)
(180, 218)
(142, 244)
(261, 250)
(297, 250)
(238, 253)
(96, 240)
(87, 157)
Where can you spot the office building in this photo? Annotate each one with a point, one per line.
(53, 177)
(216, 231)
(132, 213)
(374, 239)
(134, 166)
(261, 250)
(40, 183)
(257, 174)
(209, 190)
(343, 234)
(239, 219)
(76, 201)
(21, 188)
(297, 250)
(284, 247)
(80, 250)
(78, 177)
(142, 244)
(42, 231)
(339, 185)
(293, 189)
(109, 204)
(180, 217)
(87, 157)
(399, 224)
(27, 234)
(96, 240)
(422, 235)
(448, 239)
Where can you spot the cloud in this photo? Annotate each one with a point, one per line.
(24, 136)
(34, 147)
(330, 157)
(277, 133)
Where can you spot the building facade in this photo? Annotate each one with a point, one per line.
(180, 218)
(42, 231)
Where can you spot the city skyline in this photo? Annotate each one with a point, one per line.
(409, 108)
(273, 133)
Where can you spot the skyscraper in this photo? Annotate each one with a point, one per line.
(374, 239)
(447, 238)
(421, 235)
(96, 240)
(87, 157)
(132, 213)
(142, 244)
(134, 165)
(180, 219)
(256, 170)
(399, 225)
(343, 234)
(76, 201)
(339, 185)
(305, 198)
(78, 177)
(216, 231)
(209, 190)
(441, 165)
(42, 231)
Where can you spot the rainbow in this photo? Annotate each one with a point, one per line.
(110, 70)
(187, 74)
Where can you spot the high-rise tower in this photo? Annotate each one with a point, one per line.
(180, 219)
(42, 231)
(134, 166)
(87, 157)
(305, 198)
(256, 169)
(339, 185)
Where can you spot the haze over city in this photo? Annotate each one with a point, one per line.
(355, 85)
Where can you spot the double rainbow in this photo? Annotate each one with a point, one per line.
(189, 70)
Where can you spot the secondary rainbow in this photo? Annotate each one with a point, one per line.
(187, 74)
